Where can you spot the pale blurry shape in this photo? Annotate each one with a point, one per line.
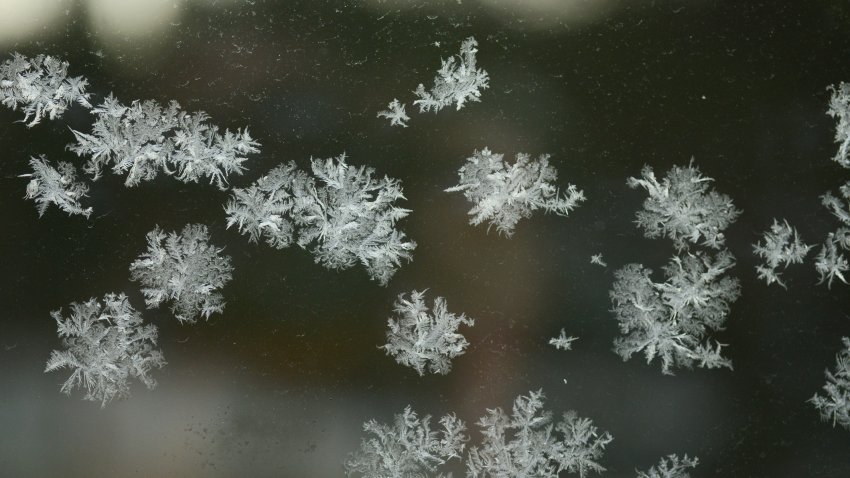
(132, 19)
(20, 19)
(534, 14)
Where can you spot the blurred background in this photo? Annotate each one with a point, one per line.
(281, 382)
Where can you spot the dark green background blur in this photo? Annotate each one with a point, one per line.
(280, 384)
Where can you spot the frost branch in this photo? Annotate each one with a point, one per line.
(458, 81)
(671, 466)
(839, 107)
(562, 342)
(57, 186)
(395, 113)
(598, 260)
(777, 248)
(834, 406)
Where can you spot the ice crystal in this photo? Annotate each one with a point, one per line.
(831, 262)
(671, 320)
(105, 345)
(839, 107)
(562, 342)
(458, 81)
(598, 260)
(184, 268)
(682, 208)
(40, 86)
(57, 186)
(671, 466)
(395, 113)
(778, 249)
(834, 405)
(504, 193)
(144, 138)
(422, 339)
(346, 214)
(529, 444)
(408, 448)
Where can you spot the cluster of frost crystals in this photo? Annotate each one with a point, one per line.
(184, 268)
(779, 246)
(458, 81)
(143, 138)
(395, 113)
(408, 448)
(671, 320)
(40, 86)
(422, 339)
(834, 406)
(671, 466)
(682, 208)
(839, 107)
(57, 186)
(831, 262)
(528, 444)
(105, 345)
(347, 214)
(504, 193)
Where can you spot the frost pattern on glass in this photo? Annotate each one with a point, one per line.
(40, 86)
(530, 444)
(672, 320)
(105, 345)
(347, 214)
(57, 186)
(426, 340)
(504, 193)
(407, 448)
(562, 342)
(839, 107)
(831, 262)
(671, 466)
(144, 138)
(395, 113)
(780, 246)
(834, 405)
(682, 208)
(183, 268)
(458, 81)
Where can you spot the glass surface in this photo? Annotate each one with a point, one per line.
(282, 381)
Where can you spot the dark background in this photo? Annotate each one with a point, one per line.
(281, 382)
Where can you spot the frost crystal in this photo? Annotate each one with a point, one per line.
(57, 186)
(671, 466)
(831, 261)
(144, 138)
(835, 405)
(778, 249)
(839, 107)
(40, 86)
(458, 81)
(503, 194)
(598, 260)
(562, 342)
(105, 345)
(682, 208)
(185, 269)
(671, 320)
(345, 212)
(395, 113)
(528, 443)
(408, 448)
(423, 340)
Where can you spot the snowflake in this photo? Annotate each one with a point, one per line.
(408, 448)
(779, 249)
(144, 138)
(528, 443)
(503, 194)
(562, 342)
(671, 319)
(458, 81)
(682, 208)
(105, 345)
(423, 339)
(671, 466)
(40, 86)
(835, 405)
(839, 107)
(56, 186)
(185, 269)
(395, 113)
